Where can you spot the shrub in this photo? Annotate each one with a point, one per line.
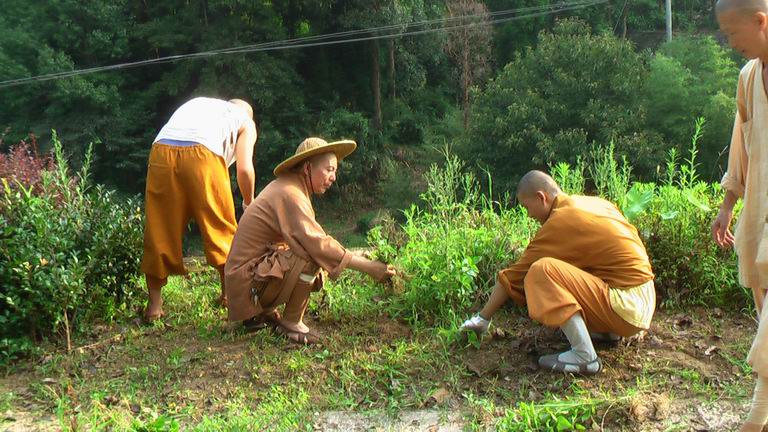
(362, 167)
(689, 267)
(69, 254)
(449, 250)
(452, 249)
(548, 105)
(403, 125)
(22, 165)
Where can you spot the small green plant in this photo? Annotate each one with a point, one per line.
(160, 423)
(688, 174)
(455, 246)
(558, 415)
(674, 223)
(637, 200)
(352, 296)
(612, 180)
(570, 179)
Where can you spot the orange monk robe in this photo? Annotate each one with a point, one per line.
(591, 235)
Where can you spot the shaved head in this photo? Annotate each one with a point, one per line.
(244, 105)
(537, 181)
(741, 6)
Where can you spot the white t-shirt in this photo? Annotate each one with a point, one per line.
(211, 122)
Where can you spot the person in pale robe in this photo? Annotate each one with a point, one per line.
(188, 178)
(745, 23)
(281, 254)
(585, 271)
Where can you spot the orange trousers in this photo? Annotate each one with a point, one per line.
(556, 290)
(185, 183)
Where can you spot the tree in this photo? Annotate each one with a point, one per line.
(693, 77)
(555, 101)
(469, 46)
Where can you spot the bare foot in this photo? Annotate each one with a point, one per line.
(153, 314)
(154, 309)
(296, 327)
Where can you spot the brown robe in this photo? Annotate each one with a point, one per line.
(281, 216)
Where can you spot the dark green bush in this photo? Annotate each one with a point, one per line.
(675, 224)
(404, 126)
(550, 105)
(689, 267)
(69, 255)
(362, 167)
(575, 88)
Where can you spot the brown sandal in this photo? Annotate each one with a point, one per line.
(308, 338)
(259, 322)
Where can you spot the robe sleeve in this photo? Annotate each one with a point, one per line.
(299, 228)
(735, 177)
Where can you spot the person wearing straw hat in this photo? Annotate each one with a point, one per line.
(280, 252)
(187, 177)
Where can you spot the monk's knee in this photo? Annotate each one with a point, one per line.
(541, 290)
(539, 271)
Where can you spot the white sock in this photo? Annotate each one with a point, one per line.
(477, 322)
(581, 344)
(758, 414)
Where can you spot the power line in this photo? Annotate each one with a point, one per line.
(325, 40)
(620, 15)
(302, 42)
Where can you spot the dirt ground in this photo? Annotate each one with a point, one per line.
(686, 373)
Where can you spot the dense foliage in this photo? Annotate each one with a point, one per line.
(383, 93)
(69, 252)
(576, 89)
(561, 90)
(450, 250)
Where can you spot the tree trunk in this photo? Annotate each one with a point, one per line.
(392, 87)
(205, 13)
(624, 32)
(466, 82)
(375, 85)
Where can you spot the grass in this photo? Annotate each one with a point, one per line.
(197, 372)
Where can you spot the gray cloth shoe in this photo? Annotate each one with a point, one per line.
(553, 363)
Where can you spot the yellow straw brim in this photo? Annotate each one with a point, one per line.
(341, 148)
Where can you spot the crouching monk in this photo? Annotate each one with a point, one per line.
(586, 271)
(280, 252)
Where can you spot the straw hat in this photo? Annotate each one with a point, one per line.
(314, 146)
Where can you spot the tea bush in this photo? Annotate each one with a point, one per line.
(69, 254)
